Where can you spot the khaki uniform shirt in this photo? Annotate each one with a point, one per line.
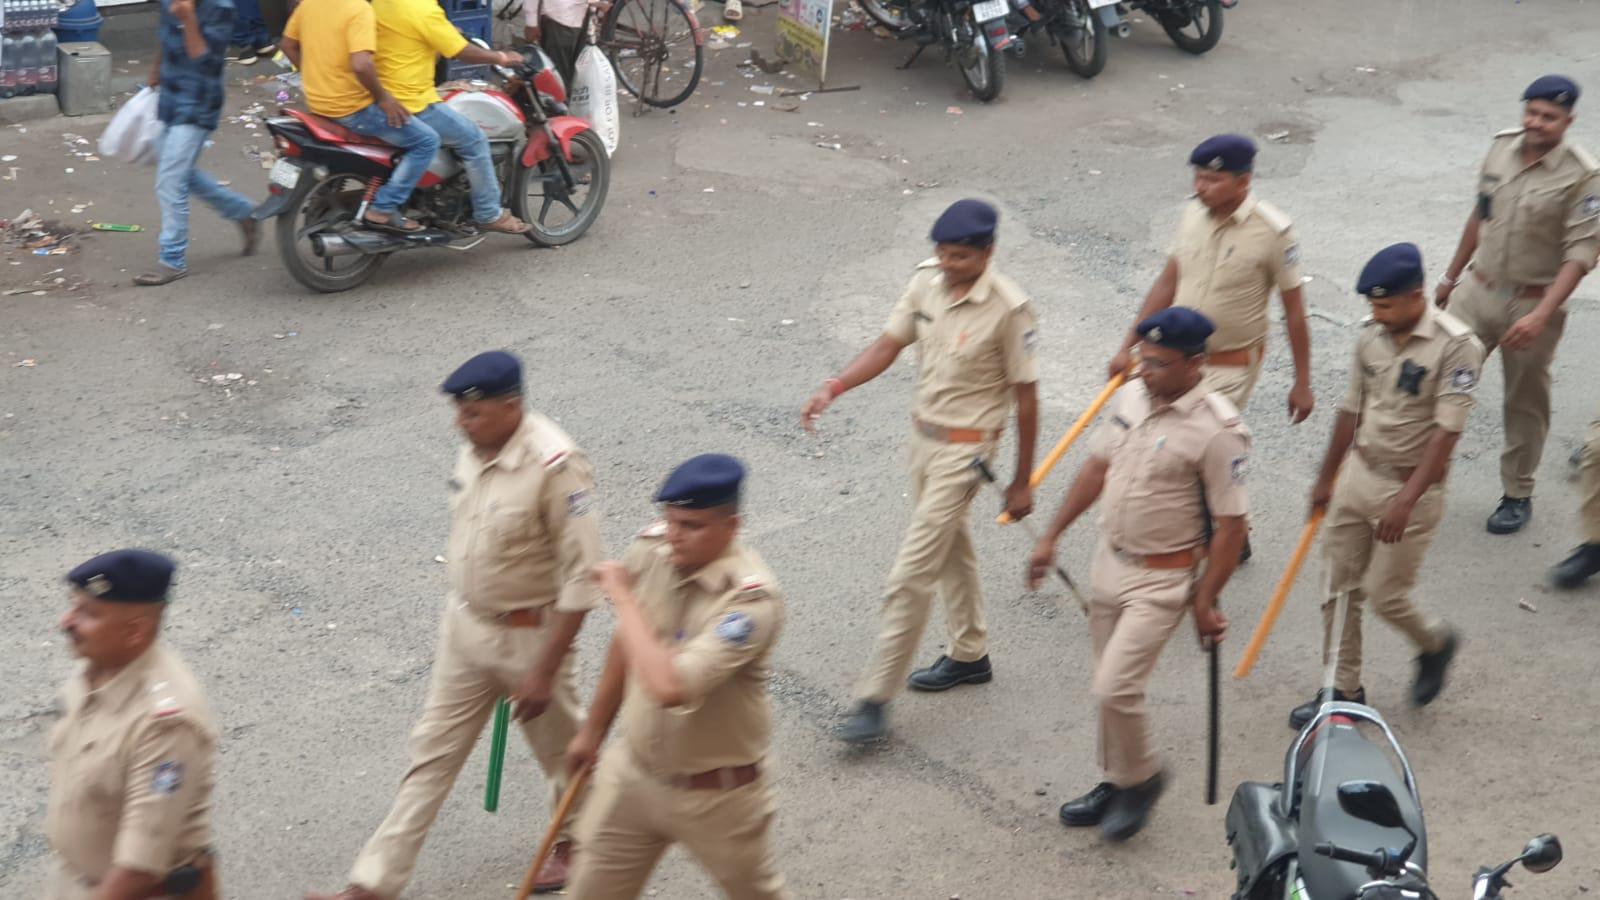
(523, 529)
(723, 623)
(1534, 219)
(971, 349)
(1170, 462)
(131, 770)
(1228, 268)
(1402, 391)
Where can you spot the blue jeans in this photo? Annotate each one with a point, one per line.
(420, 138)
(249, 29)
(176, 178)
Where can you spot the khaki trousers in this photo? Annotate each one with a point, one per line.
(1491, 312)
(1237, 383)
(632, 817)
(1132, 614)
(66, 884)
(1589, 469)
(478, 662)
(936, 554)
(1363, 567)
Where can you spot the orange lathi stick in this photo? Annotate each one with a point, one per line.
(549, 842)
(1280, 596)
(1071, 435)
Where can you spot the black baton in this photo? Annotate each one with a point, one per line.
(988, 475)
(1214, 741)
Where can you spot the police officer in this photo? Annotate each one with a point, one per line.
(1584, 562)
(977, 332)
(131, 759)
(1410, 391)
(698, 615)
(524, 535)
(1171, 453)
(1232, 250)
(1532, 236)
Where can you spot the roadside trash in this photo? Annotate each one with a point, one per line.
(1278, 137)
(283, 97)
(9, 157)
(1524, 604)
(726, 32)
(26, 364)
(953, 110)
(826, 146)
(108, 226)
(762, 88)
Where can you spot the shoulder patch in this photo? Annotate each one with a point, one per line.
(1452, 325)
(1223, 407)
(1584, 158)
(654, 530)
(736, 628)
(1275, 218)
(168, 778)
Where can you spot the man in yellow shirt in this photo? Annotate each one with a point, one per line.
(389, 95)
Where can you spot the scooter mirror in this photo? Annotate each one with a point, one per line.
(1542, 854)
(1371, 801)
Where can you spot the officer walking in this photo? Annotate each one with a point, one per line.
(131, 758)
(1410, 391)
(1532, 236)
(523, 538)
(1584, 562)
(698, 615)
(1232, 249)
(976, 332)
(1170, 460)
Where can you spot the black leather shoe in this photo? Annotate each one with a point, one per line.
(1510, 515)
(1577, 568)
(867, 724)
(1430, 672)
(1081, 812)
(1300, 715)
(946, 673)
(1130, 807)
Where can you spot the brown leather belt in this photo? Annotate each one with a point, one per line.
(1403, 473)
(724, 779)
(1520, 291)
(954, 435)
(1244, 356)
(522, 618)
(1178, 559)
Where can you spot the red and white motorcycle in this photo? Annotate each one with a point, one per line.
(552, 167)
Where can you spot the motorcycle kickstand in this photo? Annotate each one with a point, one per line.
(914, 55)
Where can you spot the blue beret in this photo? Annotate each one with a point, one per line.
(707, 480)
(126, 576)
(1225, 153)
(966, 222)
(1179, 328)
(1396, 269)
(489, 374)
(1558, 89)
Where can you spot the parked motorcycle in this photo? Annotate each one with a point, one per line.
(1084, 28)
(974, 33)
(1346, 823)
(552, 167)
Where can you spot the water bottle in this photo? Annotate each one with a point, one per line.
(27, 63)
(47, 62)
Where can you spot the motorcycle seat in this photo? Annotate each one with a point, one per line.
(328, 130)
(1341, 755)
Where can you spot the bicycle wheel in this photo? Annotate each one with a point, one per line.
(654, 45)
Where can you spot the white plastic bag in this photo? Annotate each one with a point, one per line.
(594, 96)
(134, 134)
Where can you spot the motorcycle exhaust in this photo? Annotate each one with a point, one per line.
(1113, 23)
(352, 243)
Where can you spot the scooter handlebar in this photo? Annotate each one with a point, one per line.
(1379, 860)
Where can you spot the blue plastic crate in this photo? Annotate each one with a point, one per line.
(472, 23)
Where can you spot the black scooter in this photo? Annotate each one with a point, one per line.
(1346, 823)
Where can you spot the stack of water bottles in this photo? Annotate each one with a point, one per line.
(28, 47)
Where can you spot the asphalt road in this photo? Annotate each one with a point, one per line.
(736, 265)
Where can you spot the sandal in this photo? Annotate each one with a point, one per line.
(397, 223)
(506, 224)
(732, 10)
(163, 274)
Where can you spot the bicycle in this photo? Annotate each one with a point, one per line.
(656, 47)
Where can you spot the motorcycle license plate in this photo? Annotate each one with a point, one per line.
(284, 174)
(990, 9)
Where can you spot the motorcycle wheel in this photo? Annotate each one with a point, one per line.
(1195, 25)
(891, 14)
(559, 216)
(330, 205)
(1084, 45)
(985, 74)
